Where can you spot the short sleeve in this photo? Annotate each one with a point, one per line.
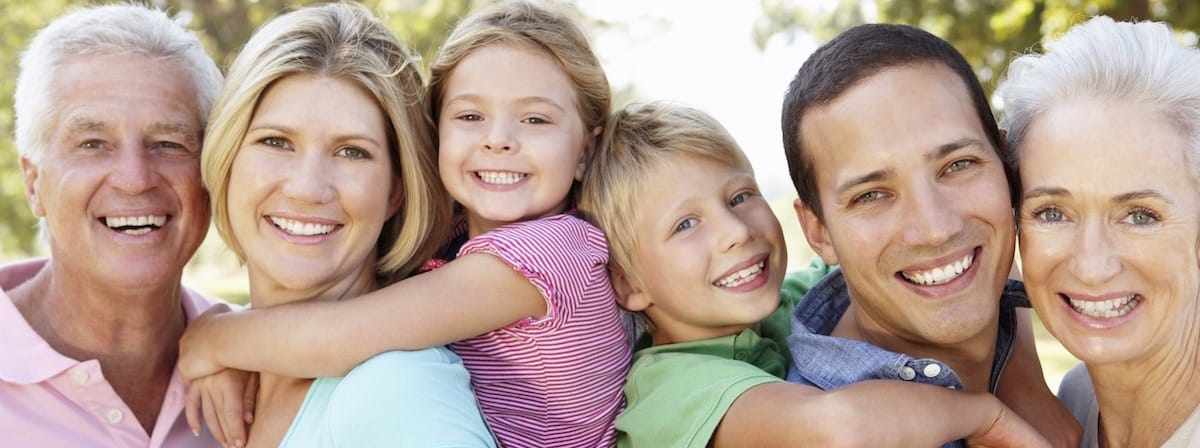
(563, 256)
(408, 398)
(678, 399)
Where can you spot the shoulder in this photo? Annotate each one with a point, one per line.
(414, 398)
(679, 399)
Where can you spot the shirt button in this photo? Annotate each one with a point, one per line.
(932, 370)
(115, 416)
(907, 373)
(79, 376)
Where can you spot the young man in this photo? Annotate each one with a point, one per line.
(110, 109)
(698, 252)
(897, 161)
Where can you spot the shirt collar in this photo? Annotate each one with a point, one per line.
(28, 358)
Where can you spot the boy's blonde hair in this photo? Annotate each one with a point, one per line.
(345, 41)
(640, 139)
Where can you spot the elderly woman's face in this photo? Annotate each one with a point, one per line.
(1109, 226)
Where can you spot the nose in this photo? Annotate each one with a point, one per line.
(1095, 259)
(500, 138)
(733, 230)
(134, 171)
(307, 179)
(931, 216)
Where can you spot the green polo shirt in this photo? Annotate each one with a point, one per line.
(677, 394)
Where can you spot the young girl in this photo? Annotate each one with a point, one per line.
(522, 295)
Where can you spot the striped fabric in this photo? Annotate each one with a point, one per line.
(554, 381)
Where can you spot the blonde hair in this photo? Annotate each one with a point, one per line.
(639, 139)
(535, 26)
(344, 41)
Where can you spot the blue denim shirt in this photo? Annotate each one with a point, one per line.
(829, 362)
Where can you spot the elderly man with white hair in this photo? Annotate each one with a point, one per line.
(110, 110)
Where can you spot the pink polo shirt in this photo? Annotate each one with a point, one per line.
(49, 400)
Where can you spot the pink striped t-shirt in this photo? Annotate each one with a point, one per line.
(554, 381)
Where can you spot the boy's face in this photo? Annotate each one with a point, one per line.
(916, 205)
(709, 254)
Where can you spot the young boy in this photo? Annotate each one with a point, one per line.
(696, 250)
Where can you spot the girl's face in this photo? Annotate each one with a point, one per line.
(311, 187)
(1109, 226)
(511, 139)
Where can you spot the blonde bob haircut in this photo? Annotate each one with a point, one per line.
(639, 139)
(535, 26)
(343, 41)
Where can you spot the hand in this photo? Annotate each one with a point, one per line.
(194, 358)
(226, 400)
(1008, 430)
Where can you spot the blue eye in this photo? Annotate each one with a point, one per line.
(1141, 217)
(1049, 214)
(685, 224)
(275, 142)
(739, 198)
(353, 153)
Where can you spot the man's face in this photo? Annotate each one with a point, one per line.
(119, 181)
(916, 206)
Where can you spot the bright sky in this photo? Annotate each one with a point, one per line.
(701, 53)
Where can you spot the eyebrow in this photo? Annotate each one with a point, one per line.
(1047, 191)
(534, 99)
(941, 151)
(289, 130)
(1141, 194)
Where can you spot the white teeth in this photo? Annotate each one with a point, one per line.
(500, 177)
(742, 276)
(940, 275)
(301, 228)
(1106, 308)
(135, 225)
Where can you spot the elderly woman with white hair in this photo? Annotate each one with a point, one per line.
(1105, 130)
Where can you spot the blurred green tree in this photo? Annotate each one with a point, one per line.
(988, 32)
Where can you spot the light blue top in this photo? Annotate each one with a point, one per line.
(404, 398)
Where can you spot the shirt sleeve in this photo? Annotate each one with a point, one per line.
(678, 399)
(561, 255)
(408, 398)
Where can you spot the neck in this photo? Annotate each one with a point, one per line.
(971, 359)
(134, 335)
(1138, 412)
(276, 406)
(265, 292)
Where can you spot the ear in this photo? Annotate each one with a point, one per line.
(629, 294)
(395, 197)
(30, 170)
(815, 232)
(589, 148)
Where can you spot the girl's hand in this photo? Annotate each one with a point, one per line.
(226, 400)
(195, 360)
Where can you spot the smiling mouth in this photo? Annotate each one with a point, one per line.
(741, 277)
(135, 225)
(1106, 308)
(942, 274)
(499, 177)
(298, 228)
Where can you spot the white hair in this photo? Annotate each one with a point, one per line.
(1137, 63)
(103, 30)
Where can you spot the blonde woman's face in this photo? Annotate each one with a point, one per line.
(1109, 226)
(311, 186)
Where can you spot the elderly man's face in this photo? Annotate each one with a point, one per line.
(119, 182)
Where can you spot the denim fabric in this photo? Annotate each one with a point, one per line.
(829, 362)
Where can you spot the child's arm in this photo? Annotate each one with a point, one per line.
(1022, 387)
(871, 413)
(469, 296)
